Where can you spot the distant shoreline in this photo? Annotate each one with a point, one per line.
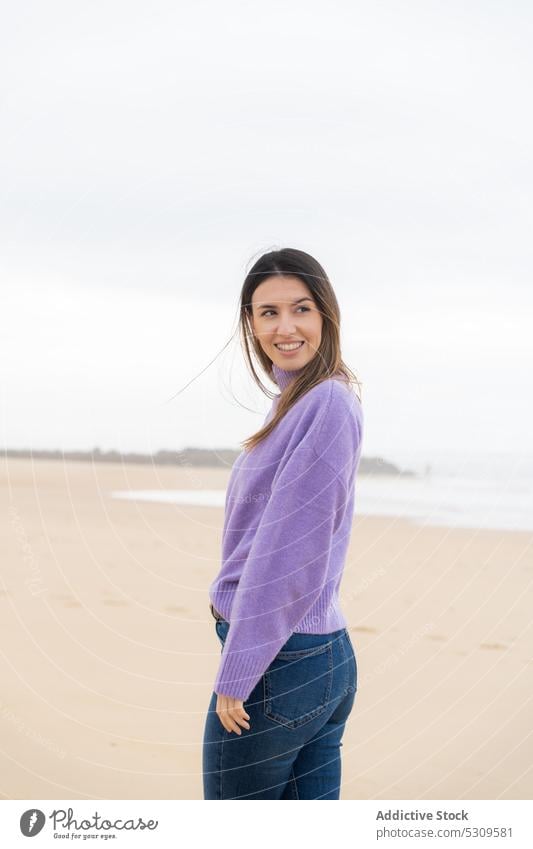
(219, 458)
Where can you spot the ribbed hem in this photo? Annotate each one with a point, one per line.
(323, 617)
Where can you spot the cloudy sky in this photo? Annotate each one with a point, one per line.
(150, 152)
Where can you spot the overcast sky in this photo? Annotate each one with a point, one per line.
(150, 152)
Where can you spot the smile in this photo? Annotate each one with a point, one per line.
(289, 346)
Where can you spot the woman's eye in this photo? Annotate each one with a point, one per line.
(305, 309)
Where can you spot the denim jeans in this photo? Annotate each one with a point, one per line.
(298, 711)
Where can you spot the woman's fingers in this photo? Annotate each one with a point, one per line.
(233, 720)
(233, 725)
(231, 713)
(228, 721)
(239, 717)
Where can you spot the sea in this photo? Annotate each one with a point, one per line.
(493, 491)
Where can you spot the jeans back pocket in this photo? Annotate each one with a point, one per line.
(298, 685)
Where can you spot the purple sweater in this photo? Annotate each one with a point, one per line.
(287, 525)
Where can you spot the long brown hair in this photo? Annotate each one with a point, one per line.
(327, 361)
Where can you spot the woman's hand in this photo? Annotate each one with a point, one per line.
(231, 713)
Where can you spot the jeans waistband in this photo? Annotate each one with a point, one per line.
(298, 641)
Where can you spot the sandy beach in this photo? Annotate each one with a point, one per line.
(108, 649)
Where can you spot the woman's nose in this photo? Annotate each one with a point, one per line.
(286, 325)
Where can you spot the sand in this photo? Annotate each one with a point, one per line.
(108, 652)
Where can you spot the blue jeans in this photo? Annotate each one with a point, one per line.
(298, 712)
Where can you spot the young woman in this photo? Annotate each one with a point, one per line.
(287, 677)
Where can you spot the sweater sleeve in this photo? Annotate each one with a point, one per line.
(285, 570)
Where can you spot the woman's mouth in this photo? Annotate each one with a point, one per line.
(288, 349)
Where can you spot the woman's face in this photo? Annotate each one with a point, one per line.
(278, 319)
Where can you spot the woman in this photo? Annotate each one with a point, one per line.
(287, 677)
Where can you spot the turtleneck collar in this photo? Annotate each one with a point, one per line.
(284, 377)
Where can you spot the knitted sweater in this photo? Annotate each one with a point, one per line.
(288, 519)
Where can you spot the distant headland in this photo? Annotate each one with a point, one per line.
(212, 457)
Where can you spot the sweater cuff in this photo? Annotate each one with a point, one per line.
(238, 674)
